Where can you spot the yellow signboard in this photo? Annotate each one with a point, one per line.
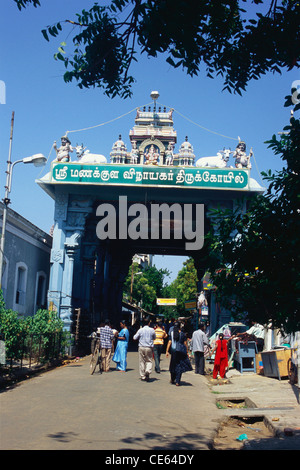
(166, 302)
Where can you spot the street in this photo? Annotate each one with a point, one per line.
(68, 409)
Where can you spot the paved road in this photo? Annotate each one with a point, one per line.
(68, 409)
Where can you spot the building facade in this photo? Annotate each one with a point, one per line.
(26, 266)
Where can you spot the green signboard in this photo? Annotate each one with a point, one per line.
(135, 175)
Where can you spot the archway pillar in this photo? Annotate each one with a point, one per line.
(69, 226)
(66, 305)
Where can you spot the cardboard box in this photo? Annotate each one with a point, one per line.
(259, 364)
(283, 356)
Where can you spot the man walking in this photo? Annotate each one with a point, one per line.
(106, 338)
(199, 339)
(145, 336)
(158, 344)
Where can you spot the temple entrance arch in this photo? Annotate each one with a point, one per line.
(87, 269)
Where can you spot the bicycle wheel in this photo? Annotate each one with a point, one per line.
(94, 360)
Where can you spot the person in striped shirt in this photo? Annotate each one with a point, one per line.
(106, 338)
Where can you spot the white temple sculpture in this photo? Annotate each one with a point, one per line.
(153, 141)
(63, 152)
(151, 156)
(186, 155)
(242, 160)
(134, 154)
(119, 152)
(218, 161)
(84, 156)
(169, 154)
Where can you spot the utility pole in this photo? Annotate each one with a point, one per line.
(6, 199)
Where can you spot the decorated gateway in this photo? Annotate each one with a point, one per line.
(145, 199)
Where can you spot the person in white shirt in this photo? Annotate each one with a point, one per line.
(199, 339)
(257, 330)
(257, 333)
(145, 336)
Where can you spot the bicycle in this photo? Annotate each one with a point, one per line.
(96, 358)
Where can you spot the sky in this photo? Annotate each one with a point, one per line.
(46, 107)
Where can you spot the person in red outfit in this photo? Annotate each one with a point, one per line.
(221, 357)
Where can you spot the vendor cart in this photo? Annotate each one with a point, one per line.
(244, 355)
(275, 362)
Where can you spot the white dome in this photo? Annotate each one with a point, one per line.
(119, 148)
(186, 148)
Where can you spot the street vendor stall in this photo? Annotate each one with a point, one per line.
(244, 354)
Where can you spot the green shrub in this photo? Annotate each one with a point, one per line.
(13, 331)
(41, 335)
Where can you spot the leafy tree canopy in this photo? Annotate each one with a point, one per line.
(148, 284)
(145, 285)
(184, 287)
(255, 257)
(239, 40)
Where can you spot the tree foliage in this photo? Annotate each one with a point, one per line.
(22, 3)
(184, 287)
(151, 283)
(145, 285)
(240, 40)
(255, 256)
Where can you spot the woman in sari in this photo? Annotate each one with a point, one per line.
(120, 355)
(179, 362)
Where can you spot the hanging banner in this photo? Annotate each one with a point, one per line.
(167, 302)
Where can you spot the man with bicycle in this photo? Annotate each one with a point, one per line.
(106, 339)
